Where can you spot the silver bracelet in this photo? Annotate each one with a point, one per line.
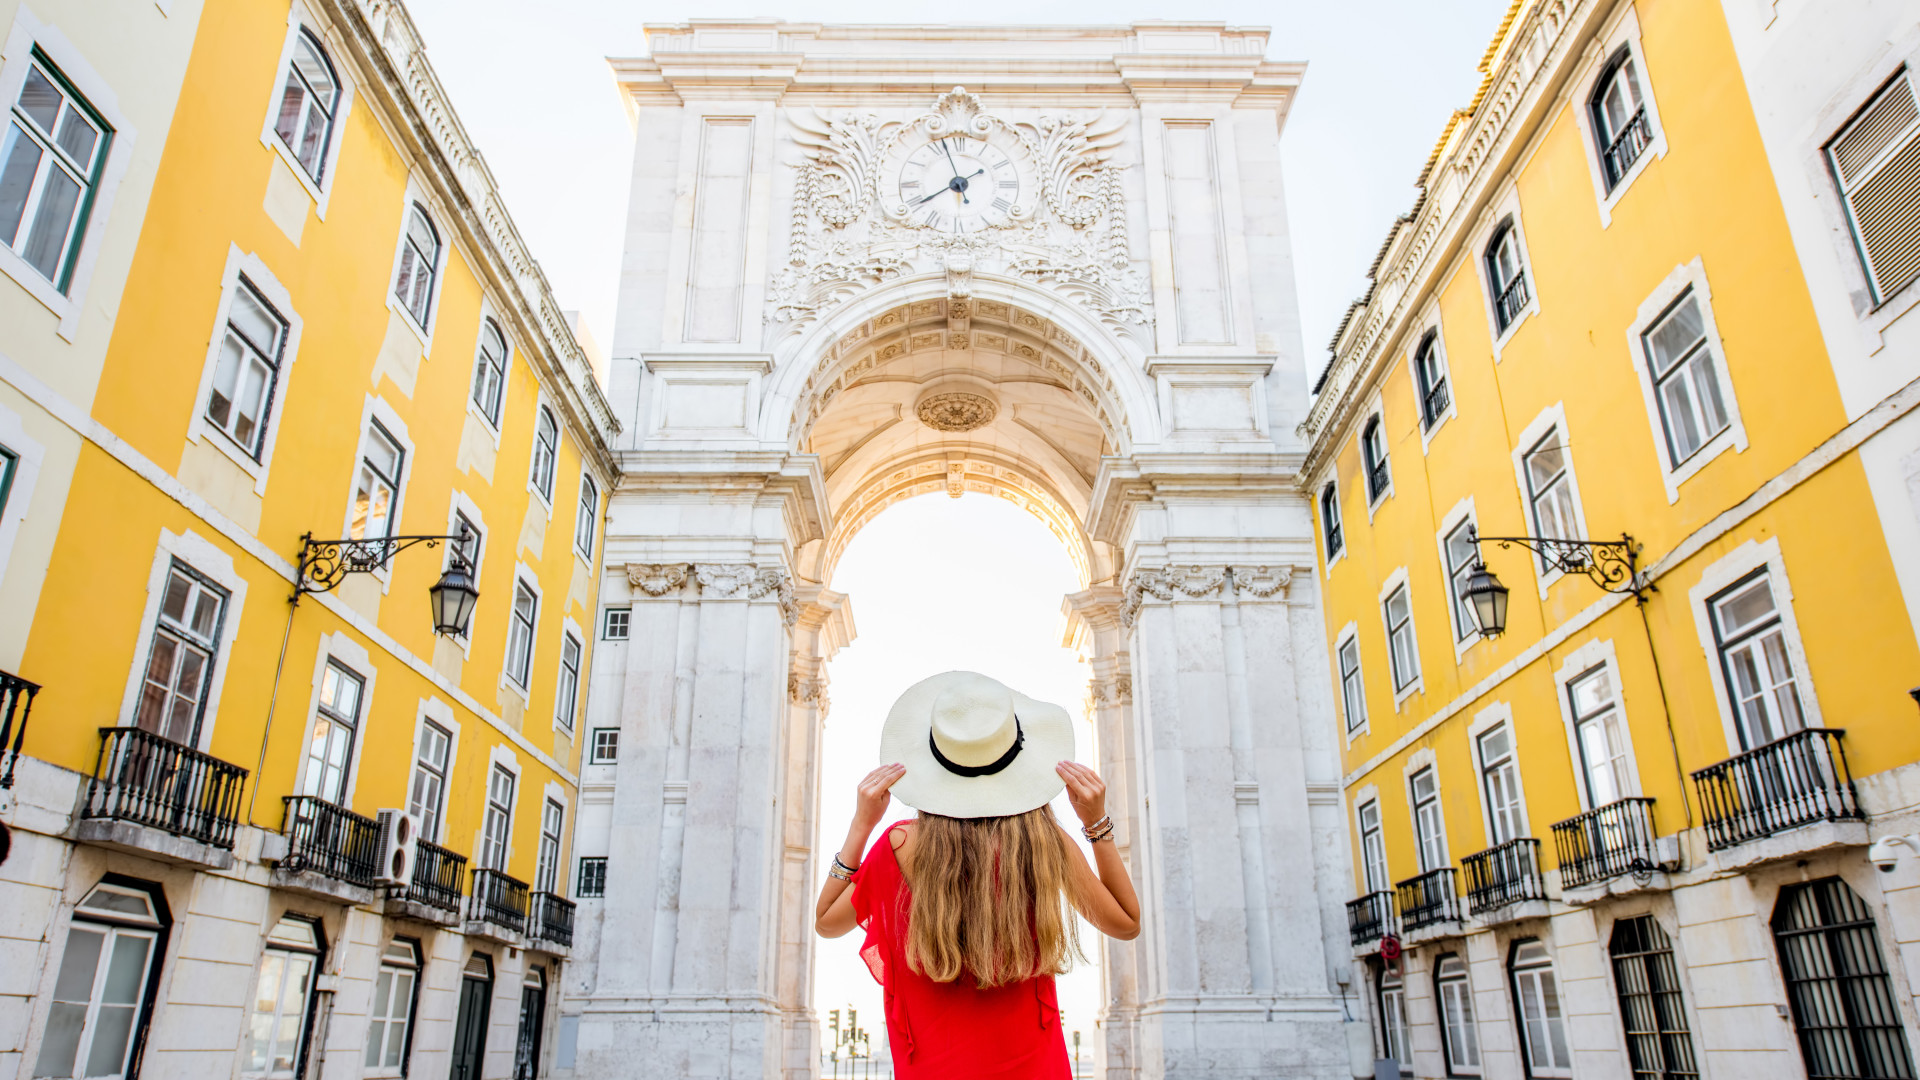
(1099, 830)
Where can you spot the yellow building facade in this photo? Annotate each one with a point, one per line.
(1629, 832)
(260, 291)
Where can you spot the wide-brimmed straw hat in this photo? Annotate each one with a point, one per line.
(975, 748)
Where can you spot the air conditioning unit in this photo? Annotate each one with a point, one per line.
(399, 832)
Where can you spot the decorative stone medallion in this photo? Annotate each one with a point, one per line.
(955, 411)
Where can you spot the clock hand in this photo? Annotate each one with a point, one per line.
(950, 161)
(925, 198)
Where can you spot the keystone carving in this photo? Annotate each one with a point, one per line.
(955, 411)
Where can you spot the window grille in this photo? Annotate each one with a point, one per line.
(1659, 1046)
(593, 878)
(1843, 1001)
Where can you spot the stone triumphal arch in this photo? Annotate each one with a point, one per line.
(1048, 264)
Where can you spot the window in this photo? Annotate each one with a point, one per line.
(1393, 1019)
(1373, 454)
(277, 1032)
(1601, 735)
(100, 992)
(586, 519)
(1843, 1002)
(376, 494)
(490, 371)
(9, 466)
(1330, 520)
(1658, 1044)
(248, 369)
(1876, 161)
(1402, 650)
(1459, 1036)
(1550, 488)
(1506, 276)
(330, 752)
(308, 104)
(593, 878)
(429, 798)
(614, 628)
(51, 160)
(1500, 777)
(1429, 827)
(567, 695)
(393, 992)
(1620, 118)
(1353, 695)
(1752, 640)
(1373, 848)
(467, 549)
(606, 746)
(546, 875)
(186, 635)
(546, 447)
(496, 826)
(1542, 1031)
(1463, 553)
(1430, 379)
(520, 635)
(419, 261)
(1686, 379)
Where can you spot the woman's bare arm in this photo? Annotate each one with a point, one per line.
(1105, 895)
(833, 914)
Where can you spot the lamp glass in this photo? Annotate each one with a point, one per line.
(454, 596)
(1488, 599)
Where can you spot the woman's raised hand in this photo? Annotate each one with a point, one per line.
(1085, 790)
(873, 798)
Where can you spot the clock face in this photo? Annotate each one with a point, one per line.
(959, 185)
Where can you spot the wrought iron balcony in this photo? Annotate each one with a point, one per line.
(437, 874)
(16, 704)
(499, 900)
(326, 839)
(1370, 918)
(551, 919)
(1503, 875)
(1512, 301)
(1428, 900)
(1377, 479)
(1605, 843)
(142, 778)
(1797, 780)
(1435, 403)
(1626, 147)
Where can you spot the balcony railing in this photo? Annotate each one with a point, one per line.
(16, 704)
(1429, 899)
(498, 899)
(1513, 300)
(1794, 781)
(1435, 404)
(1377, 479)
(1503, 875)
(1626, 147)
(551, 918)
(147, 780)
(1370, 918)
(1600, 844)
(437, 874)
(331, 840)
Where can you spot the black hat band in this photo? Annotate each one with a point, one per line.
(991, 767)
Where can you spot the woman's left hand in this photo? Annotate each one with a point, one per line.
(875, 794)
(1085, 790)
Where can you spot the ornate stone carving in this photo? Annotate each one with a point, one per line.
(1189, 581)
(776, 582)
(955, 411)
(657, 579)
(723, 581)
(1114, 689)
(803, 690)
(1261, 582)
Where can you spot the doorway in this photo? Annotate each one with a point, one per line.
(533, 1017)
(470, 1025)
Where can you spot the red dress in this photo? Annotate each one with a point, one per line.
(950, 1031)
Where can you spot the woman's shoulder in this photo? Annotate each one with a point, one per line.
(900, 833)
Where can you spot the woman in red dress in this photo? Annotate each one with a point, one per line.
(969, 908)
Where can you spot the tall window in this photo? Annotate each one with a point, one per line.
(1875, 159)
(468, 550)
(567, 695)
(101, 990)
(1402, 650)
(1373, 848)
(1620, 118)
(186, 635)
(1542, 1030)
(308, 104)
(1658, 1044)
(1601, 734)
(497, 824)
(1330, 520)
(1550, 488)
(9, 465)
(1462, 554)
(1752, 641)
(1686, 379)
(1500, 777)
(1459, 1035)
(546, 449)
(1506, 275)
(376, 493)
(1843, 1002)
(330, 752)
(586, 519)
(51, 158)
(429, 798)
(546, 876)
(1353, 695)
(606, 746)
(1429, 827)
(1430, 378)
(520, 635)
(1393, 1019)
(393, 994)
(248, 368)
(1373, 454)
(490, 371)
(616, 623)
(419, 262)
(277, 1032)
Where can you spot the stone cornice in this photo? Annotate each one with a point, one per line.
(1215, 584)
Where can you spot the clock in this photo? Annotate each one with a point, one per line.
(959, 184)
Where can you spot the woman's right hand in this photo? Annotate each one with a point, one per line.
(874, 795)
(1085, 790)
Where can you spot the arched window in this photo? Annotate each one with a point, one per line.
(1619, 117)
(490, 371)
(1659, 1045)
(1506, 275)
(1460, 1036)
(1430, 377)
(1393, 1018)
(546, 448)
(393, 999)
(470, 1023)
(1330, 520)
(308, 104)
(276, 1038)
(419, 262)
(1543, 1030)
(102, 994)
(1843, 1002)
(1373, 454)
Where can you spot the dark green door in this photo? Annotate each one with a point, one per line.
(470, 1028)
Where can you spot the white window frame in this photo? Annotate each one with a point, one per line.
(299, 18)
(1717, 578)
(504, 759)
(350, 654)
(1874, 316)
(386, 968)
(1396, 581)
(1377, 417)
(1366, 797)
(1422, 762)
(523, 575)
(199, 429)
(1394, 1026)
(213, 563)
(1551, 421)
(441, 715)
(29, 455)
(1579, 662)
(1461, 516)
(304, 1041)
(1469, 1023)
(111, 926)
(593, 746)
(606, 623)
(569, 632)
(545, 499)
(437, 217)
(376, 408)
(27, 34)
(462, 505)
(1622, 34)
(1485, 721)
(558, 864)
(589, 502)
(1430, 324)
(1506, 206)
(1513, 973)
(1688, 276)
(494, 428)
(1350, 636)
(1320, 519)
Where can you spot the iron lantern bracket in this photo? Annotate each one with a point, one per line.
(1614, 565)
(324, 564)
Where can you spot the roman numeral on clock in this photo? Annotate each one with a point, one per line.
(932, 219)
(1002, 205)
(1009, 185)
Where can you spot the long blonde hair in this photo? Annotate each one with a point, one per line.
(992, 898)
